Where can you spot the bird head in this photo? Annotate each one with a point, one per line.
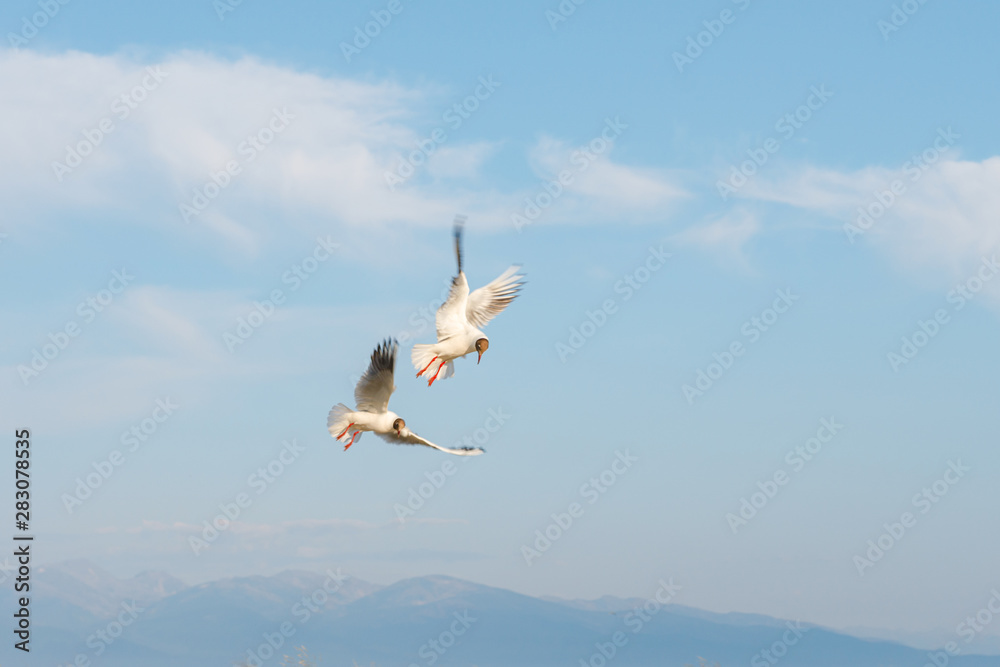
(482, 345)
(398, 426)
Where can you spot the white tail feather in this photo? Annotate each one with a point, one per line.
(422, 355)
(338, 419)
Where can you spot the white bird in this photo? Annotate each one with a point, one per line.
(459, 318)
(373, 414)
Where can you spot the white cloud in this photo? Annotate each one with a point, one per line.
(940, 224)
(726, 235)
(328, 162)
(155, 341)
(598, 188)
(181, 121)
(460, 161)
(148, 343)
(174, 320)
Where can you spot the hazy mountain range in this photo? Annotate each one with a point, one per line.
(154, 620)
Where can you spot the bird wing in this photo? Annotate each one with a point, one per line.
(376, 385)
(490, 300)
(408, 437)
(459, 225)
(450, 319)
(451, 316)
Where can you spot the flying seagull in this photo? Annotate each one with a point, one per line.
(459, 318)
(373, 414)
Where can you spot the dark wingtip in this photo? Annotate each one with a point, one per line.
(459, 224)
(384, 355)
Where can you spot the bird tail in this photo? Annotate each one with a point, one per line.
(422, 356)
(338, 419)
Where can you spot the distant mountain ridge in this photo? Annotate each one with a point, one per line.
(421, 621)
(81, 583)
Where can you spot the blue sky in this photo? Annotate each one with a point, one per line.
(889, 95)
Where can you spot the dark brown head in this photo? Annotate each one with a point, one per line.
(482, 345)
(398, 425)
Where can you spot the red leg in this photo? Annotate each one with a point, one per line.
(436, 374)
(345, 431)
(353, 436)
(427, 366)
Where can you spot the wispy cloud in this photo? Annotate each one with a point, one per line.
(597, 187)
(251, 149)
(256, 546)
(726, 235)
(935, 219)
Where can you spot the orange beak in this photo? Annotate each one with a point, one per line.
(480, 358)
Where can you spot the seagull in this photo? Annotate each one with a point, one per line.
(372, 398)
(459, 318)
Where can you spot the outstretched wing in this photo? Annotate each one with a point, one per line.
(450, 319)
(376, 385)
(459, 225)
(408, 437)
(489, 301)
